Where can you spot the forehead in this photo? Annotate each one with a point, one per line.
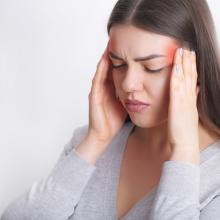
(130, 39)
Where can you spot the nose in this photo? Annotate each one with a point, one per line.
(132, 81)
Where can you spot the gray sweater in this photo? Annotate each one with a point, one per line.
(78, 190)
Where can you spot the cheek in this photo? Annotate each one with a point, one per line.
(117, 79)
(155, 87)
(165, 94)
(158, 90)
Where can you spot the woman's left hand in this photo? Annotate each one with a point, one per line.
(183, 116)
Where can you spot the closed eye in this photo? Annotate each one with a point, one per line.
(148, 70)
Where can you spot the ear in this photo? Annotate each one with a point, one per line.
(198, 87)
(197, 90)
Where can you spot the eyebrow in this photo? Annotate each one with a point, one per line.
(150, 57)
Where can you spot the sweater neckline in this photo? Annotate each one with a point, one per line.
(115, 168)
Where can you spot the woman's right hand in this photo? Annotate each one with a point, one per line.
(106, 113)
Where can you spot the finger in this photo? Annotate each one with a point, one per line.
(194, 71)
(103, 54)
(96, 82)
(176, 77)
(109, 74)
(187, 71)
(107, 61)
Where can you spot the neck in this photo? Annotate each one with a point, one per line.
(154, 140)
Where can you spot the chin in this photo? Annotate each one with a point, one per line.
(146, 122)
(141, 122)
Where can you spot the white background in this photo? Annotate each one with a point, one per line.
(49, 51)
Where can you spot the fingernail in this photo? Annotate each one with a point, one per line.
(181, 52)
(177, 67)
(193, 53)
(100, 61)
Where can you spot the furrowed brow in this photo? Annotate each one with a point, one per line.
(150, 57)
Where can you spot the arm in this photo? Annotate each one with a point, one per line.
(55, 196)
(177, 196)
(212, 210)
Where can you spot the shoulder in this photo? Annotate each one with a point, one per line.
(78, 134)
(81, 131)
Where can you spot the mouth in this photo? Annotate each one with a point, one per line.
(135, 102)
(136, 105)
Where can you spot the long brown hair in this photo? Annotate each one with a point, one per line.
(190, 23)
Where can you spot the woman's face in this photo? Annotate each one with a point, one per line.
(133, 80)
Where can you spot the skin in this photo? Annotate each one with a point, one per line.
(169, 128)
(132, 81)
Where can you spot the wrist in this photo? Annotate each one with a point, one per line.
(91, 149)
(95, 143)
(187, 154)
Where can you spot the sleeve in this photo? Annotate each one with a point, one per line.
(212, 210)
(55, 196)
(177, 197)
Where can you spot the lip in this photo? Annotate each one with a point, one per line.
(135, 102)
(135, 105)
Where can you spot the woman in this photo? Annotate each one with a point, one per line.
(163, 160)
